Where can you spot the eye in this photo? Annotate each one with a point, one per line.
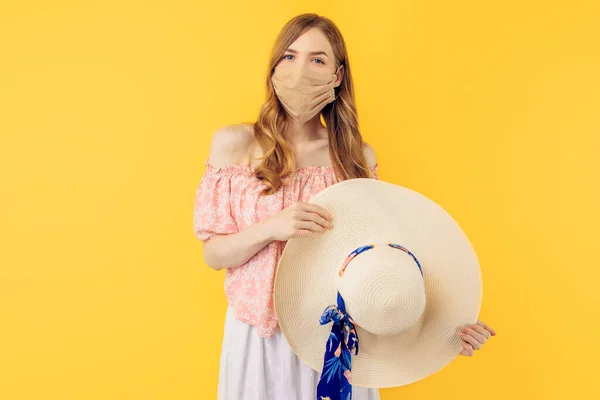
(288, 55)
(319, 61)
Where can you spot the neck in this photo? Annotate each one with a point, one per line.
(304, 132)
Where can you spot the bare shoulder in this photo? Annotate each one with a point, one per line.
(230, 144)
(369, 153)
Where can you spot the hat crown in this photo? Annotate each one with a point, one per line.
(384, 290)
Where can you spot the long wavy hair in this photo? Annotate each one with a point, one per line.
(340, 116)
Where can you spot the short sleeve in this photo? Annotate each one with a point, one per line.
(212, 206)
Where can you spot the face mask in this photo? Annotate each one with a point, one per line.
(303, 92)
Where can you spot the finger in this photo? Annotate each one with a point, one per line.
(471, 340)
(316, 209)
(309, 225)
(481, 330)
(486, 327)
(310, 216)
(478, 336)
(467, 349)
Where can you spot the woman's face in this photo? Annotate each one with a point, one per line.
(312, 50)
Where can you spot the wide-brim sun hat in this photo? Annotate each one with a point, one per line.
(405, 272)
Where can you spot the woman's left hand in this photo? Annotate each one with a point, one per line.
(474, 336)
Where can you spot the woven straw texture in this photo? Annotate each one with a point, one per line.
(448, 296)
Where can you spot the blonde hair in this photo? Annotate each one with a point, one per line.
(340, 116)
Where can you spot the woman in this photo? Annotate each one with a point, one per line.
(254, 197)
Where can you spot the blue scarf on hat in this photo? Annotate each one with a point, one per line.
(336, 378)
(335, 382)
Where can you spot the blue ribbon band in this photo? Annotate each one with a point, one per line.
(336, 377)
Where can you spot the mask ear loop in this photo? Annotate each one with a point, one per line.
(336, 95)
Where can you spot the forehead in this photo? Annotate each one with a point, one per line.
(312, 40)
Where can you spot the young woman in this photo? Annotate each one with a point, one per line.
(254, 197)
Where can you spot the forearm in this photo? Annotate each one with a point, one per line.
(230, 251)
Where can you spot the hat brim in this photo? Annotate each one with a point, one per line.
(366, 211)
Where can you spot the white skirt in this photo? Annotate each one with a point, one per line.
(255, 368)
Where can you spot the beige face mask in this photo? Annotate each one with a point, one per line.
(303, 92)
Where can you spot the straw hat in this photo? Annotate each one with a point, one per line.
(408, 296)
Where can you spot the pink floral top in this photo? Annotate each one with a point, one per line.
(227, 201)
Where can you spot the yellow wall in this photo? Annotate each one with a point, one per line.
(106, 113)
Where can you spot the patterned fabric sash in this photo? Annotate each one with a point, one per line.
(336, 378)
(336, 381)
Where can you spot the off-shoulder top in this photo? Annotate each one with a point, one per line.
(227, 201)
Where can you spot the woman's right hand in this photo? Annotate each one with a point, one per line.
(298, 219)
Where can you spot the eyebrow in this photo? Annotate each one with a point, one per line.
(312, 53)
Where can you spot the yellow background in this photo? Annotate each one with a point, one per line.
(106, 114)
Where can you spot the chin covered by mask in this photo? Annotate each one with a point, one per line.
(303, 92)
